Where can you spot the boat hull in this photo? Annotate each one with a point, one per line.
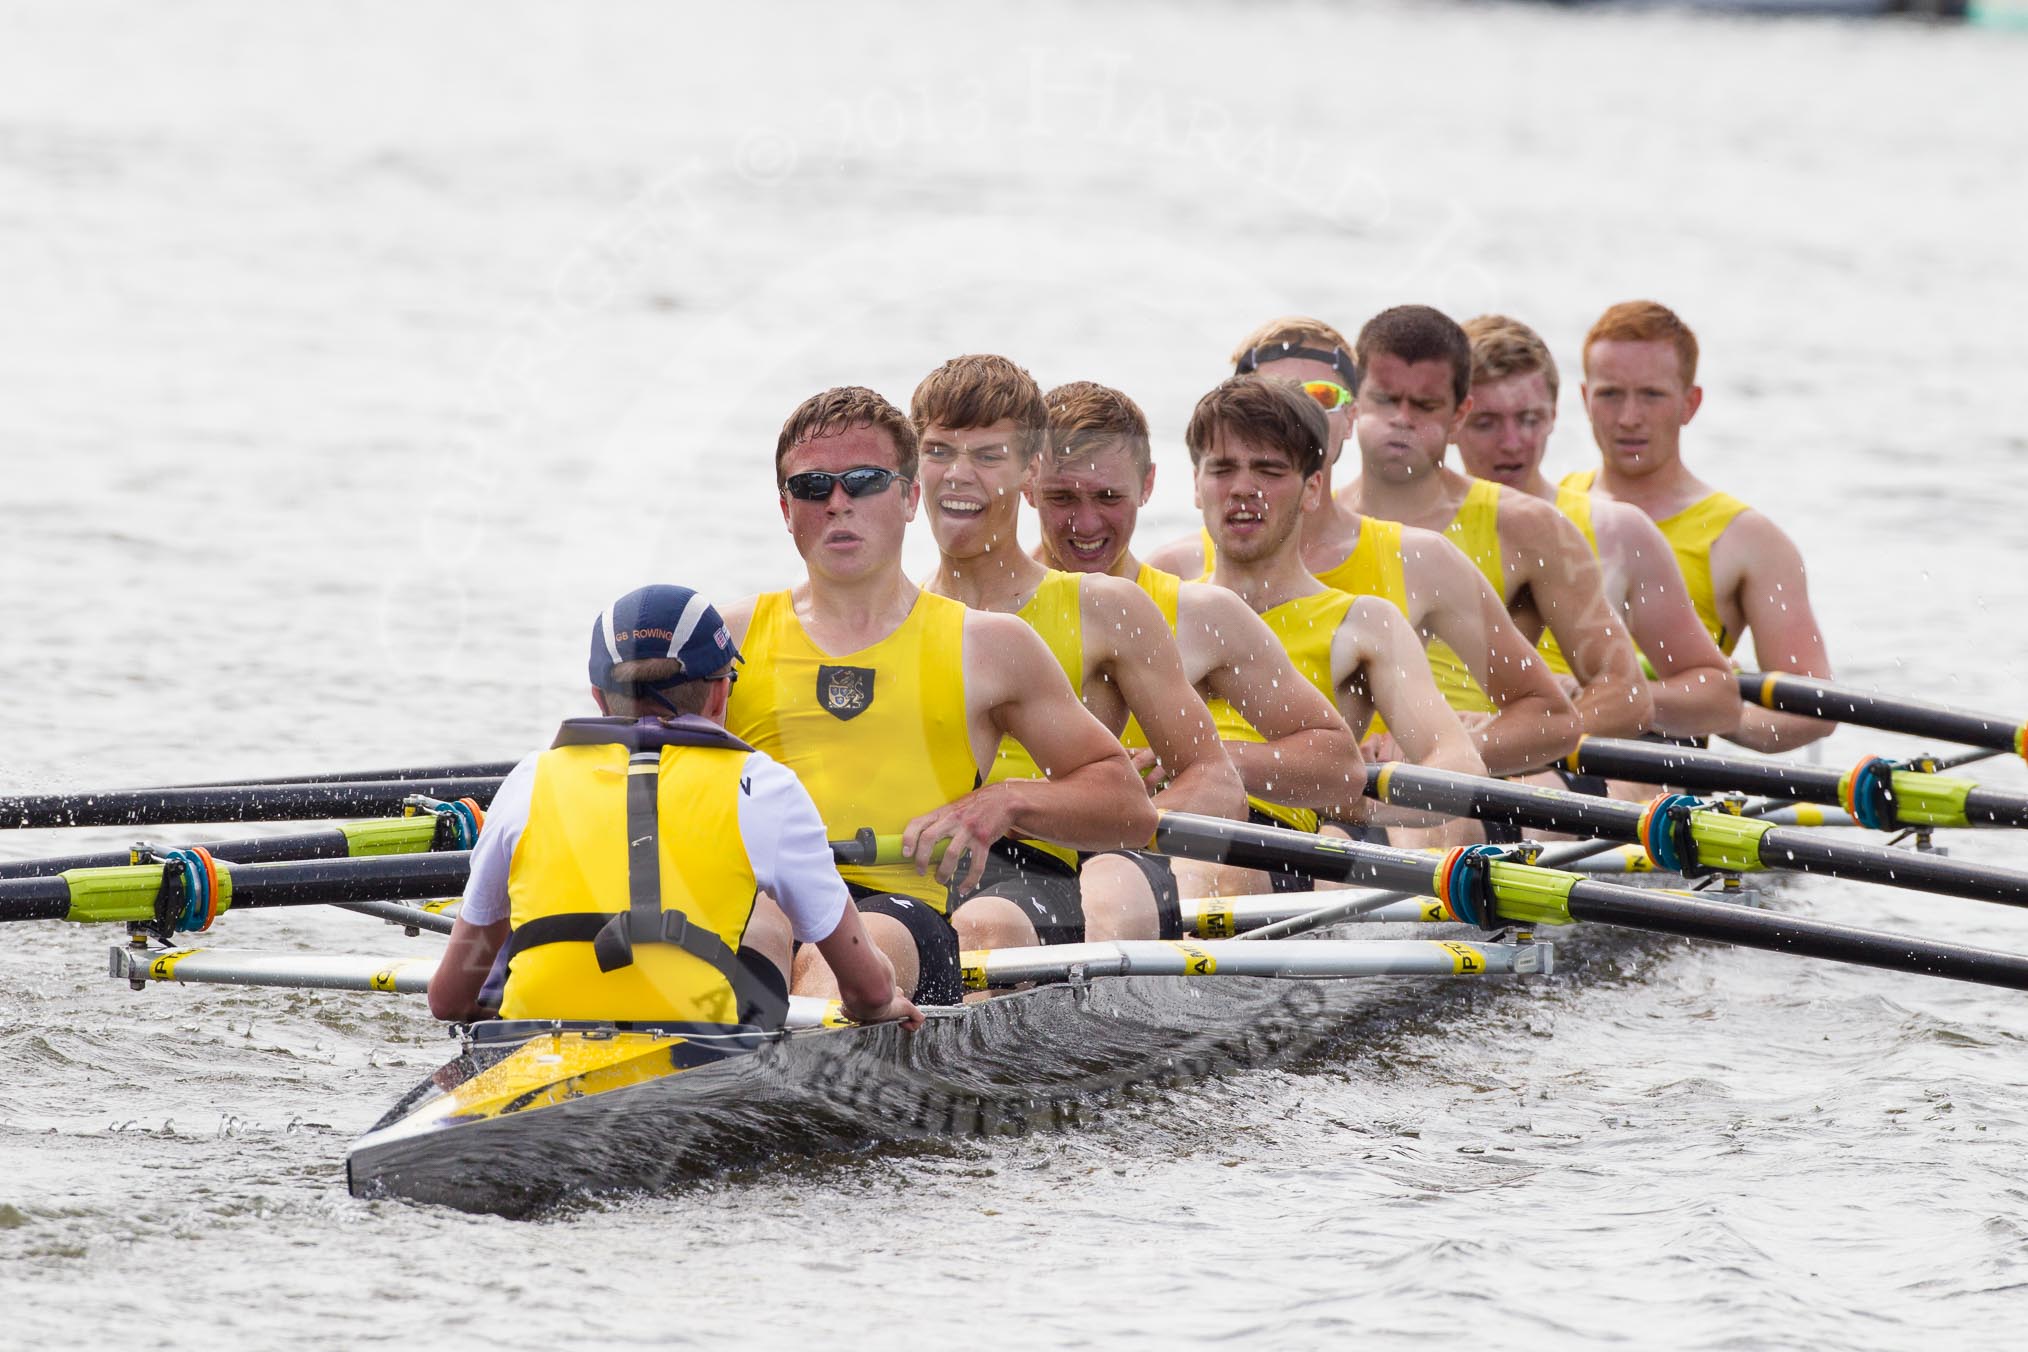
(515, 1126)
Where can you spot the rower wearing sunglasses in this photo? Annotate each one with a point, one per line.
(1483, 664)
(981, 420)
(890, 702)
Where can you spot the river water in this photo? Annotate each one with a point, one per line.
(353, 355)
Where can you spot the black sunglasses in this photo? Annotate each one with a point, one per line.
(816, 485)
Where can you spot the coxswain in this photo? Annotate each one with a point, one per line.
(1257, 446)
(1518, 714)
(981, 421)
(1503, 439)
(890, 702)
(1289, 743)
(650, 868)
(1743, 572)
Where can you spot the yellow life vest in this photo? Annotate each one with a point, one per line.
(583, 862)
(1306, 628)
(1574, 503)
(1690, 533)
(1166, 591)
(878, 736)
(1056, 612)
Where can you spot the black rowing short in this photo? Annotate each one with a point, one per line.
(938, 980)
(1043, 886)
(1161, 875)
(1594, 785)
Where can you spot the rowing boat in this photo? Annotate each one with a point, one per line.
(528, 1113)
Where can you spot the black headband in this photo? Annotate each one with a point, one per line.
(1250, 360)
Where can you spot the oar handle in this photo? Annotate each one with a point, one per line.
(1813, 698)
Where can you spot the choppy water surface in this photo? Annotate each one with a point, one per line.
(353, 355)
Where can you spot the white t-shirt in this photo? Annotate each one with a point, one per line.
(784, 837)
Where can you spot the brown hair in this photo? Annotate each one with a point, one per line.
(840, 409)
(1288, 331)
(1266, 411)
(1418, 333)
(641, 700)
(978, 391)
(1084, 416)
(1645, 321)
(1503, 347)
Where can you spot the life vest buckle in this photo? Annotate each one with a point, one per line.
(614, 945)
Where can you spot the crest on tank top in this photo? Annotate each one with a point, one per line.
(845, 692)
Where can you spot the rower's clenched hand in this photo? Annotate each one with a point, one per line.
(966, 829)
(897, 1008)
(1150, 768)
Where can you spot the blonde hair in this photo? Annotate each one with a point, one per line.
(840, 409)
(1646, 321)
(1084, 416)
(1503, 347)
(978, 391)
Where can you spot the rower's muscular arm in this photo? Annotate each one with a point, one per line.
(1309, 757)
(1693, 689)
(1772, 593)
(1548, 554)
(1137, 655)
(1536, 723)
(1377, 645)
(462, 971)
(1091, 800)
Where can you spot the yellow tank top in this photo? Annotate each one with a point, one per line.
(1690, 533)
(572, 858)
(1374, 569)
(1166, 591)
(1574, 503)
(877, 736)
(1306, 627)
(1056, 612)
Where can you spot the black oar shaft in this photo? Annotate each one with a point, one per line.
(1704, 771)
(265, 850)
(234, 803)
(1711, 772)
(1745, 927)
(1805, 851)
(1518, 890)
(128, 893)
(1548, 809)
(473, 770)
(1820, 699)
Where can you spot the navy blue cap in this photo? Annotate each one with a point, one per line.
(660, 622)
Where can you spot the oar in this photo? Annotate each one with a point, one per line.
(1289, 958)
(138, 894)
(231, 803)
(1684, 837)
(348, 840)
(470, 770)
(339, 972)
(160, 894)
(1873, 789)
(1483, 890)
(1820, 699)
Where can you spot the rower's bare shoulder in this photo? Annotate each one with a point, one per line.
(738, 616)
(1533, 531)
(1118, 610)
(1003, 655)
(1374, 631)
(1431, 565)
(1220, 614)
(1183, 556)
(1752, 545)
